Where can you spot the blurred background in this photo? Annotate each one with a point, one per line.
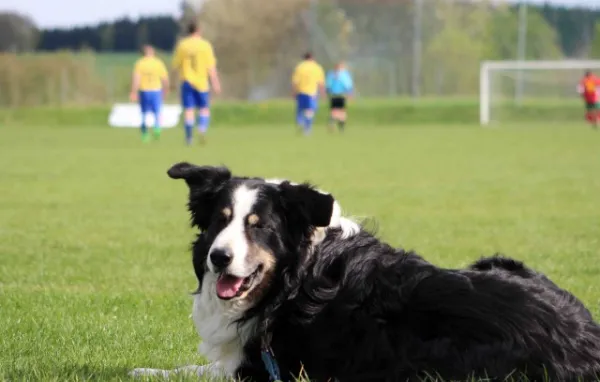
(79, 53)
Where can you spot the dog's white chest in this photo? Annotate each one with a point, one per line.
(222, 339)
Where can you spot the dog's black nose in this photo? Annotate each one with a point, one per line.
(220, 258)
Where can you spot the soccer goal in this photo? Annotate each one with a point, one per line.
(512, 90)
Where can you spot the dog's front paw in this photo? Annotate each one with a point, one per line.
(145, 372)
(191, 370)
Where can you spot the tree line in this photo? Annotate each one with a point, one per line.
(575, 29)
(122, 35)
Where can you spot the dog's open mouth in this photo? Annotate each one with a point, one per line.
(229, 286)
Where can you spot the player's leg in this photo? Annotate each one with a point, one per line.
(332, 114)
(342, 113)
(596, 117)
(588, 114)
(300, 105)
(310, 105)
(157, 108)
(203, 104)
(143, 100)
(338, 105)
(188, 104)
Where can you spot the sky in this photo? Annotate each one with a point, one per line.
(68, 13)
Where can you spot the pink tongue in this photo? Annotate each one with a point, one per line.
(228, 286)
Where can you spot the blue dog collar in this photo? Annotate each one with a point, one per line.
(271, 364)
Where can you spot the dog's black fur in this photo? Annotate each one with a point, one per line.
(356, 309)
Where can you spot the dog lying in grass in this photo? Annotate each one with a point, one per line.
(287, 284)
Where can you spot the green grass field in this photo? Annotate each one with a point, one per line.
(95, 273)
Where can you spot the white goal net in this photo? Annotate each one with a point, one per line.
(529, 91)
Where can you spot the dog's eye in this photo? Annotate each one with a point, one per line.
(223, 217)
(226, 213)
(253, 220)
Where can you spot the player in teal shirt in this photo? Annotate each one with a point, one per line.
(339, 87)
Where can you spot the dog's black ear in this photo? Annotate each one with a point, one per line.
(315, 207)
(204, 183)
(199, 176)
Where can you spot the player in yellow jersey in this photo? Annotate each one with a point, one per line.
(308, 81)
(195, 61)
(150, 83)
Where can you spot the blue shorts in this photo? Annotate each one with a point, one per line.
(150, 101)
(193, 98)
(306, 102)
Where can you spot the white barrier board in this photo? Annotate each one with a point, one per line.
(130, 115)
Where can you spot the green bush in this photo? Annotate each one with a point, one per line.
(49, 79)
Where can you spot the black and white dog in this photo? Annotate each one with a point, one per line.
(288, 285)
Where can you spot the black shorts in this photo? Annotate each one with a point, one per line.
(337, 103)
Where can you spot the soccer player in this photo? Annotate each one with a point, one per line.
(308, 81)
(339, 86)
(195, 61)
(150, 83)
(589, 88)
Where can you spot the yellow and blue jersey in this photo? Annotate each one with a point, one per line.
(307, 77)
(152, 72)
(193, 59)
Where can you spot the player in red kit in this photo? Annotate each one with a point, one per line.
(589, 88)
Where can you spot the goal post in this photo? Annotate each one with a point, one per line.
(520, 72)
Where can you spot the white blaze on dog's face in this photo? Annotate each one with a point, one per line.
(249, 227)
(232, 240)
(237, 254)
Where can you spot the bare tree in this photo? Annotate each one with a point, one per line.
(18, 33)
(188, 14)
(250, 38)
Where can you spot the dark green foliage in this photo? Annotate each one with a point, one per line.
(122, 35)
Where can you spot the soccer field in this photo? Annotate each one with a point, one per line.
(95, 271)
